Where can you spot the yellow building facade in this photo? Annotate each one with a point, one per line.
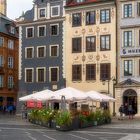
(90, 46)
(3, 7)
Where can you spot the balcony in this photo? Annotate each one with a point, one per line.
(130, 51)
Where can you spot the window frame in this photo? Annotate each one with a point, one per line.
(10, 81)
(39, 9)
(128, 16)
(26, 75)
(129, 68)
(89, 18)
(105, 49)
(10, 62)
(38, 51)
(38, 30)
(50, 74)
(94, 48)
(78, 78)
(77, 46)
(57, 50)
(26, 52)
(10, 41)
(57, 24)
(1, 81)
(37, 76)
(2, 39)
(87, 72)
(101, 20)
(76, 24)
(32, 32)
(128, 38)
(103, 71)
(58, 6)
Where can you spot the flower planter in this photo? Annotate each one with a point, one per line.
(86, 124)
(95, 123)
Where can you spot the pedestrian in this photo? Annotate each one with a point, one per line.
(130, 111)
(121, 111)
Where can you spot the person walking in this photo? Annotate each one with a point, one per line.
(121, 111)
(130, 111)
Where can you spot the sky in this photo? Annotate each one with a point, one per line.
(16, 7)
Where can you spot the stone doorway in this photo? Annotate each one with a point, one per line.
(130, 98)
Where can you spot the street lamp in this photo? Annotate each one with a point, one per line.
(108, 91)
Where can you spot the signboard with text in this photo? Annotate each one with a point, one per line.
(130, 51)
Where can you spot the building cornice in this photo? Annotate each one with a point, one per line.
(130, 26)
(40, 21)
(90, 5)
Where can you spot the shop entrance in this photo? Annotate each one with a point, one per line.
(130, 98)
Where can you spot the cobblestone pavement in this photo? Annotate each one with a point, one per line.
(15, 128)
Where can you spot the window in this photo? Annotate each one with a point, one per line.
(127, 10)
(55, 11)
(40, 74)
(105, 42)
(138, 8)
(105, 70)
(80, 1)
(12, 30)
(1, 81)
(128, 66)
(41, 31)
(41, 51)
(42, 13)
(29, 52)
(90, 44)
(76, 19)
(76, 73)
(54, 29)
(10, 62)
(10, 44)
(29, 32)
(29, 75)
(139, 67)
(90, 18)
(105, 16)
(1, 61)
(76, 45)
(1, 41)
(54, 74)
(10, 82)
(127, 38)
(90, 71)
(54, 51)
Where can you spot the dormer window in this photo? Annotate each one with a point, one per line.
(12, 30)
(42, 13)
(80, 1)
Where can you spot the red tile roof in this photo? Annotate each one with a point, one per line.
(74, 3)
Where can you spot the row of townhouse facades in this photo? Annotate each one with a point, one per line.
(85, 44)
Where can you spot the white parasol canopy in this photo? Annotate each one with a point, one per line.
(41, 95)
(96, 96)
(70, 94)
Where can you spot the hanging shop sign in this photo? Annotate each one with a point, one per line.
(131, 51)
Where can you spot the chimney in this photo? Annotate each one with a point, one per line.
(3, 7)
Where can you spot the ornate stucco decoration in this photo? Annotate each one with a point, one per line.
(112, 13)
(105, 30)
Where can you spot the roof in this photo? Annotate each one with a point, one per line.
(5, 24)
(71, 3)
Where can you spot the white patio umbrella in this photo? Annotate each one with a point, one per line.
(96, 96)
(26, 98)
(41, 95)
(70, 94)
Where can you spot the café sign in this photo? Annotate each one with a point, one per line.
(131, 51)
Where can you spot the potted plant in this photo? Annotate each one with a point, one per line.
(63, 121)
(107, 116)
